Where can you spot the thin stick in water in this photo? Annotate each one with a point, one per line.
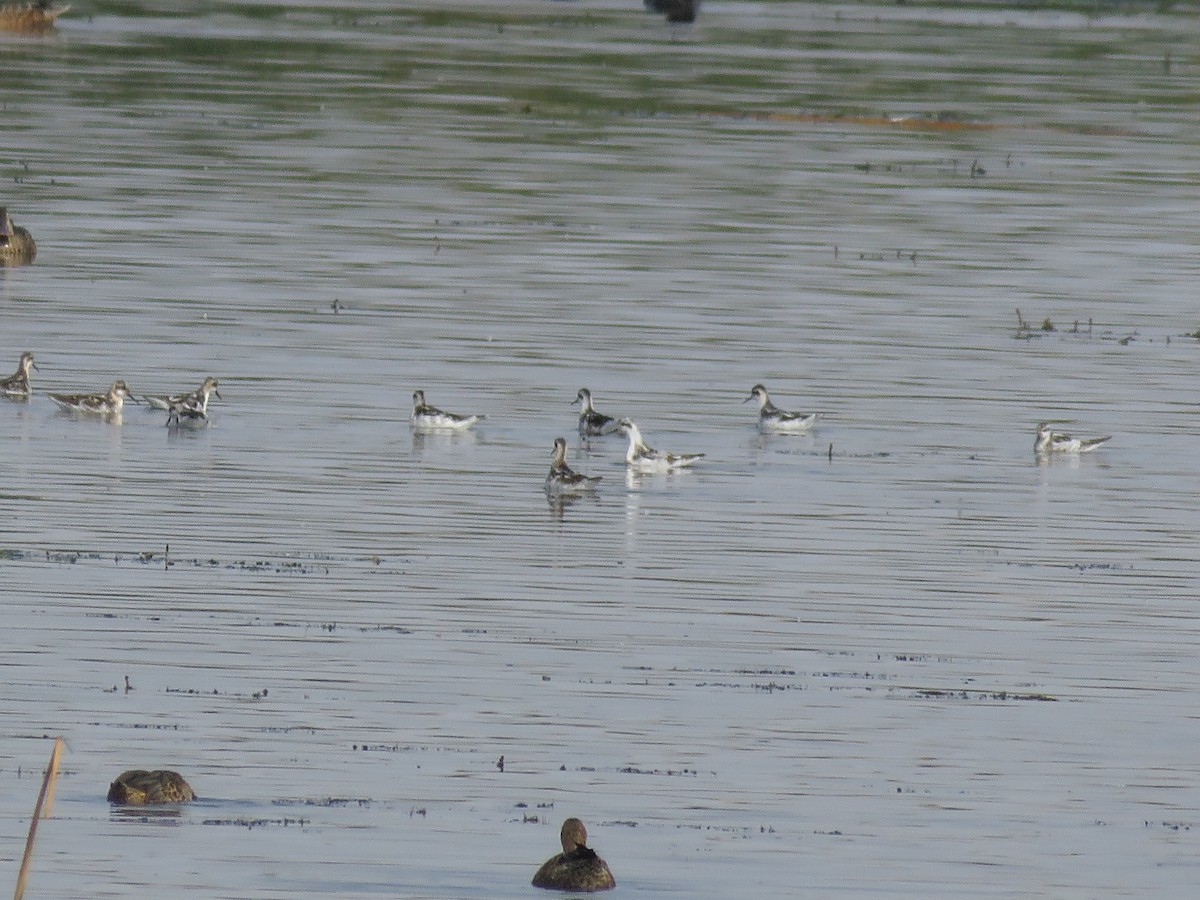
(41, 809)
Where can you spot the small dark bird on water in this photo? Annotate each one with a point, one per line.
(676, 11)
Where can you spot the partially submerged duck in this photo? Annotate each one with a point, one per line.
(138, 787)
(17, 384)
(109, 404)
(577, 868)
(565, 480)
(35, 17)
(16, 243)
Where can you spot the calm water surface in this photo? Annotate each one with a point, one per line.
(895, 657)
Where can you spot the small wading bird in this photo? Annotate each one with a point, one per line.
(1050, 441)
(641, 457)
(591, 422)
(109, 404)
(198, 396)
(562, 479)
(772, 418)
(186, 410)
(16, 243)
(17, 384)
(430, 418)
(138, 787)
(577, 868)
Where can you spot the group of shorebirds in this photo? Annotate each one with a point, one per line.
(641, 458)
(184, 410)
(577, 868)
(190, 410)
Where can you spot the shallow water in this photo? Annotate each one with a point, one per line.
(895, 657)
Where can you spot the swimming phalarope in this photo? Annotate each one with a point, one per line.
(1050, 441)
(591, 422)
(109, 404)
(577, 868)
(644, 458)
(562, 479)
(17, 384)
(138, 787)
(431, 418)
(198, 397)
(189, 412)
(772, 418)
(16, 243)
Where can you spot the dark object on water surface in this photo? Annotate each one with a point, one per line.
(36, 17)
(16, 243)
(677, 11)
(138, 787)
(577, 868)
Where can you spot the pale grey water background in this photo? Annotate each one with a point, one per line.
(778, 675)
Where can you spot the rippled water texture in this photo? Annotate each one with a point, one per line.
(893, 657)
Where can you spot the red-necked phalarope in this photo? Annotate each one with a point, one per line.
(577, 868)
(430, 418)
(16, 243)
(17, 384)
(109, 404)
(137, 787)
(591, 422)
(562, 479)
(644, 458)
(772, 418)
(1050, 441)
(198, 397)
(188, 413)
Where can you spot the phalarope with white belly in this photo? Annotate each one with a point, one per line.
(772, 418)
(562, 478)
(198, 397)
(1050, 441)
(17, 384)
(642, 457)
(430, 418)
(109, 404)
(591, 422)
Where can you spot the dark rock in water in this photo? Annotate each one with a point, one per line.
(675, 10)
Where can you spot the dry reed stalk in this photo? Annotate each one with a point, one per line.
(41, 810)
